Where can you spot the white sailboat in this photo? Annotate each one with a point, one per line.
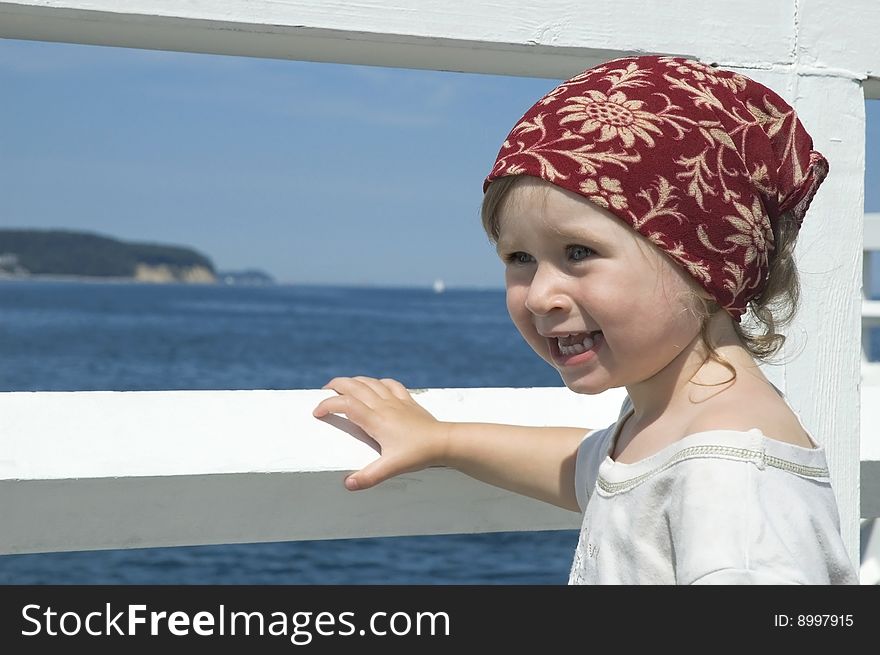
(439, 286)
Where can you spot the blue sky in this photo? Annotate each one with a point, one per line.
(316, 173)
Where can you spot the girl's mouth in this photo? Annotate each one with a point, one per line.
(576, 349)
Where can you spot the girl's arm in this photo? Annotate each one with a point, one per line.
(533, 461)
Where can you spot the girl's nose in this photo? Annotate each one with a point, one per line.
(546, 292)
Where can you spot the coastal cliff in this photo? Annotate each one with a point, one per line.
(56, 253)
(163, 273)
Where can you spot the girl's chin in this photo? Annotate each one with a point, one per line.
(587, 387)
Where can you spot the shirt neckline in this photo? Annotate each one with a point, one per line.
(746, 445)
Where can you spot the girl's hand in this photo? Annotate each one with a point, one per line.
(409, 437)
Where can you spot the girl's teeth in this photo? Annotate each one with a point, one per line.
(577, 348)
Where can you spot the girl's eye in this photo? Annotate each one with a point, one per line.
(579, 253)
(518, 258)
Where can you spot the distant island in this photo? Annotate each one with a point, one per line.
(27, 253)
(61, 253)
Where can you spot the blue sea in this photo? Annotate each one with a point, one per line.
(76, 336)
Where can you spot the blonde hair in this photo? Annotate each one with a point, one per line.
(769, 311)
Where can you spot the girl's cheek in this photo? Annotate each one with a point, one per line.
(523, 326)
(516, 300)
(523, 322)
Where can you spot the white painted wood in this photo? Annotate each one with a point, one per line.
(546, 38)
(205, 467)
(870, 449)
(872, 230)
(870, 378)
(840, 36)
(871, 309)
(94, 470)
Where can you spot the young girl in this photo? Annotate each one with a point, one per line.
(641, 208)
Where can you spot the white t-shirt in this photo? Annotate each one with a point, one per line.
(716, 507)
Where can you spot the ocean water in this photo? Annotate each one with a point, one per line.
(72, 336)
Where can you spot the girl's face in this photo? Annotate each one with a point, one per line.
(589, 295)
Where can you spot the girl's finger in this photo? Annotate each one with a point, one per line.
(351, 407)
(356, 388)
(396, 388)
(378, 388)
(372, 474)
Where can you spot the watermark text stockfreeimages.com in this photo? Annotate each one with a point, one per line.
(301, 627)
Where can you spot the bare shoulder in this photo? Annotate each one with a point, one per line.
(751, 408)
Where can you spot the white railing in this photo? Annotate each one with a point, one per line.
(870, 415)
(870, 308)
(98, 469)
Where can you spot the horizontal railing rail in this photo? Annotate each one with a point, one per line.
(870, 307)
(98, 470)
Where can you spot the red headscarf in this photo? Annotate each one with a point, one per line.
(698, 160)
